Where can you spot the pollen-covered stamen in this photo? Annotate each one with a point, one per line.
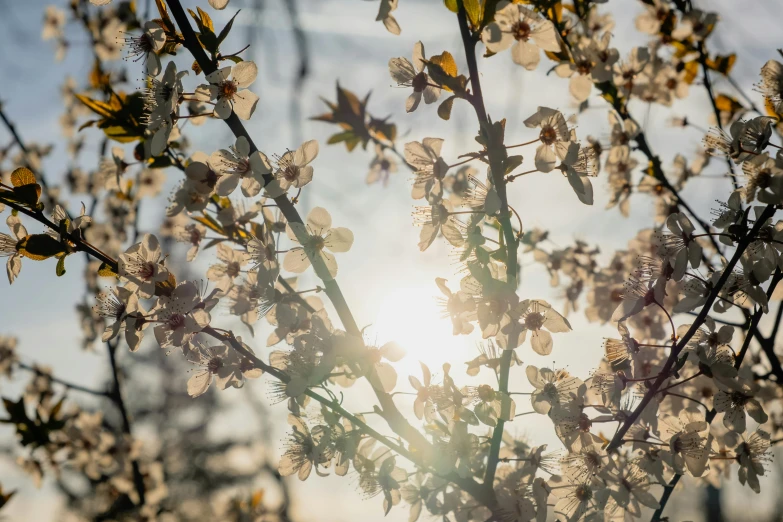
(475, 192)
(522, 31)
(139, 46)
(534, 321)
(430, 215)
(214, 365)
(141, 268)
(176, 321)
(584, 67)
(739, 399)
(7, 245)
(227, 89)
(485, 393)
(717, 142)
(286, 167)
(548, 135)
(109, 306)
(583, 493)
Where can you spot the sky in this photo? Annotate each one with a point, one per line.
(385, 278)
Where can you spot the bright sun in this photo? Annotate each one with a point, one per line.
(412, 318)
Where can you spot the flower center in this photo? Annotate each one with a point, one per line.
(227, 89)
(584, 67)
(291, 172)
(214, 364)
(522, 31)
(233, 269)
(534, 321)
(548, 135)
(486, 393)
(147, 270)
(176, 321)
(419, 82)
(583, 493)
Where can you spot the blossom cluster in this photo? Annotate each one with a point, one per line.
(679, 387)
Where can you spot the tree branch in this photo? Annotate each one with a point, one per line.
(616, 441)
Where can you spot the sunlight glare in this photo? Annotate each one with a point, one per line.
(412, 318)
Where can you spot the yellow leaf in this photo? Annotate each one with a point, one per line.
(726, 103)
(106, 271)
(210, 223)
(556, 13)
(205, 19)
(120, 134)
(722, 64)
(770, 107)
(98, 107)
(22, 176)
(475, 11)
(691, 71)
(258, 496)
(446, 62)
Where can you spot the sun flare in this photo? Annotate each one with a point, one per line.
(413, 318)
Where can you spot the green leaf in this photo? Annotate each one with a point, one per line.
(513, 162)
(39, 247)
(444, 109)
(60, 270)
(25, 190)
(106, 271)
(475, 11)
(340, 137)
(235, 59)
(224, 32)
(160, 162)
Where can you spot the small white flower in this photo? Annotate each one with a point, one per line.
(8, 246)
(147, 46)
(219, 363)
(140, 266)
(530, 31)
(294, 169)
(315, 238)
(238, 163)
(231, 95)
(408, 74)
(218, 4)
(555, 137)
(181, 315)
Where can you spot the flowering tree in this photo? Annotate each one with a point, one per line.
(676, 384)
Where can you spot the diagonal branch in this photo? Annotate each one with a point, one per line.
(616, 441)
(390, 413)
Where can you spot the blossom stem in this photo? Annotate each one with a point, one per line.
(117, 396)
(671, 321)
(69, 385)
(708, 86)
(697, 401)
(195, 115)
(645, 442)
(681, 382)
(523, 144)
(462, 162)
(511, 178)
